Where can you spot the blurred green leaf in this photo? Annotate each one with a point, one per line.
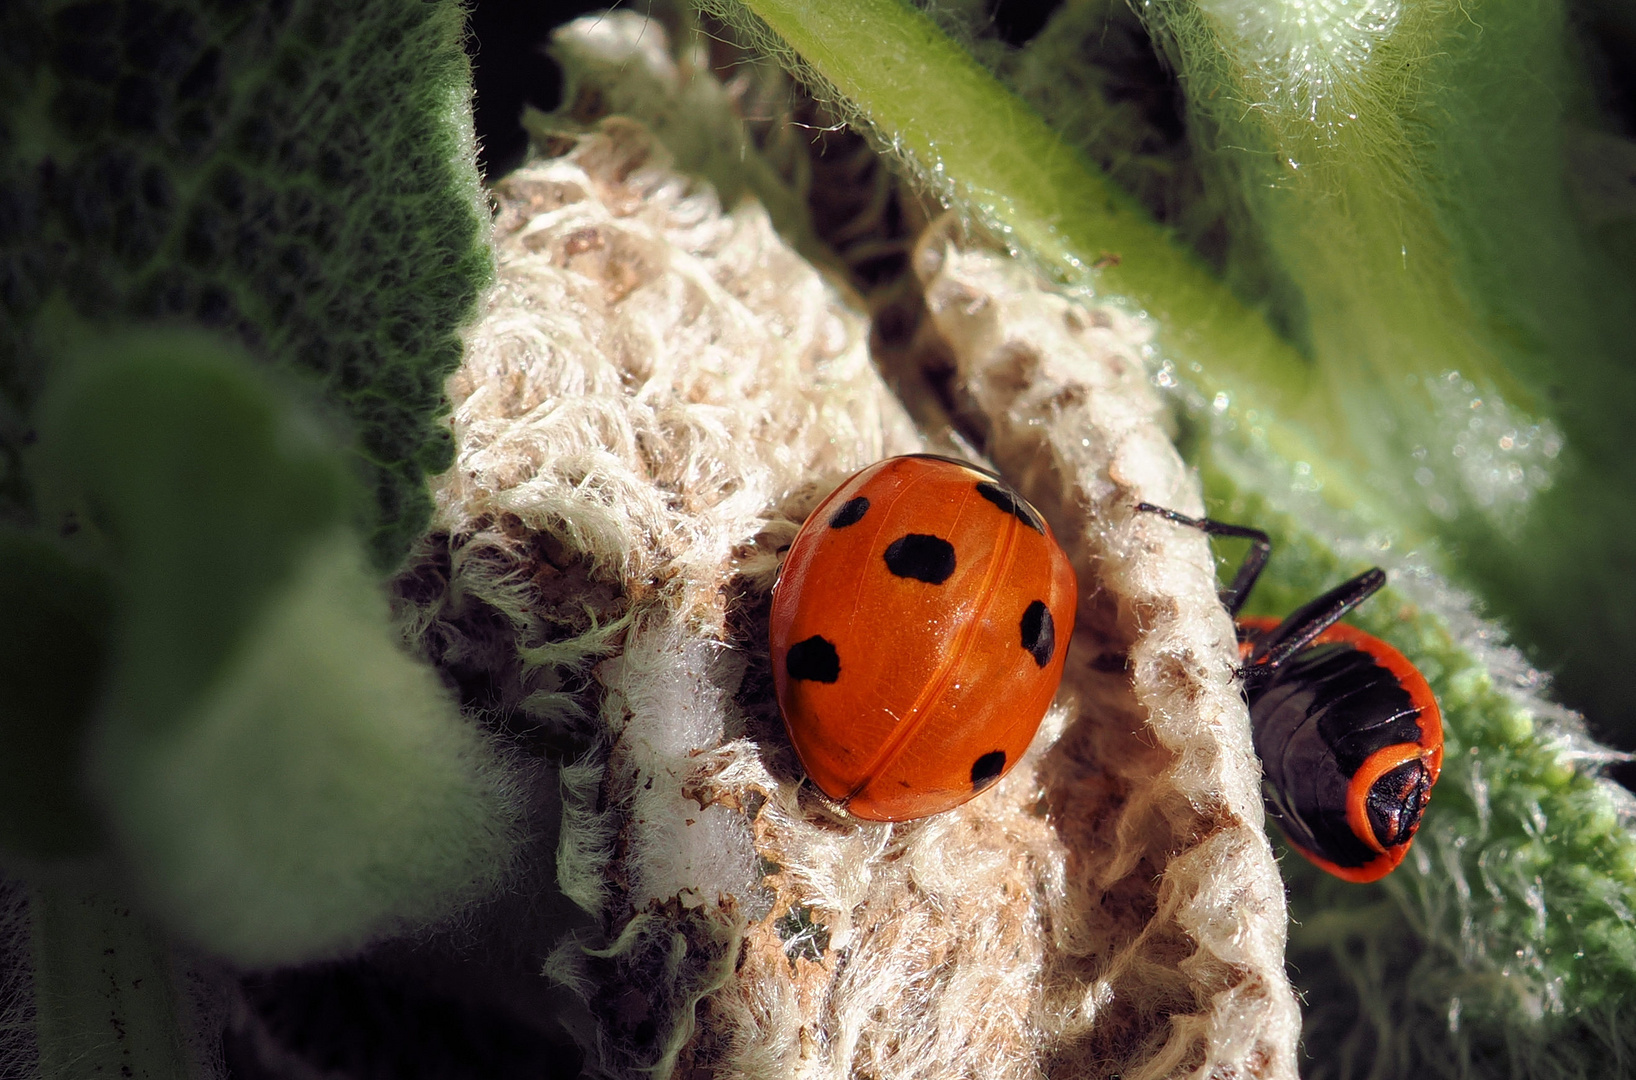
(281, 779)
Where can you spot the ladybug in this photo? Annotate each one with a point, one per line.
(1348, 732)
(919, 627)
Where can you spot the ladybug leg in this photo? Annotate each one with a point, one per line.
(1234, 595)
(1308, 621)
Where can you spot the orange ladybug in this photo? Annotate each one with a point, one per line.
(919, 627)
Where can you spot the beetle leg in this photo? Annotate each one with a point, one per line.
(1308, 621)
(1255, 560)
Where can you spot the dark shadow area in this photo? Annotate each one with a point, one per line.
(356, 1020)
(1017, 21)
(506, 40)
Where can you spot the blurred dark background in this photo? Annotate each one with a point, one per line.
(507, 41)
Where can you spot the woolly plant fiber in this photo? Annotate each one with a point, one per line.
(659, 393)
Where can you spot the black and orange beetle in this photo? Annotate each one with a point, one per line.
(1348, 732)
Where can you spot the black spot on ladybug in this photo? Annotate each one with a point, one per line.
(1039, 633)
(1011, 503)
(814, 660)
(1396, 802)
(850, 513)
(924, 558)
(987, 769)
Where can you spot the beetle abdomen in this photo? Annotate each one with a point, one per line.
(1341, 742)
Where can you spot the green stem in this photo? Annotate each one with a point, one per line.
(105, 1003)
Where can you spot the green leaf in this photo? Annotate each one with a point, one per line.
(280, 779)
(298, 176)
(204, 485)
(106, 1004)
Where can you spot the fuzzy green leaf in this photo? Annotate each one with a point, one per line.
(203, 485)
(106, 1001)
(281, 780)
(297, 176)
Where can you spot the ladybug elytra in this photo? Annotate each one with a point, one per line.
(1349, 734)
(918, 632)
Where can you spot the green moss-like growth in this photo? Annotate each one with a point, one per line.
(295, 174)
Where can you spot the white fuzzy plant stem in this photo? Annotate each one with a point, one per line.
(652, 376)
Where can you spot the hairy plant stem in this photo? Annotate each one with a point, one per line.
(105, 1002)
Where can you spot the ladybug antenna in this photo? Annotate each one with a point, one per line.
(1255, 560)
